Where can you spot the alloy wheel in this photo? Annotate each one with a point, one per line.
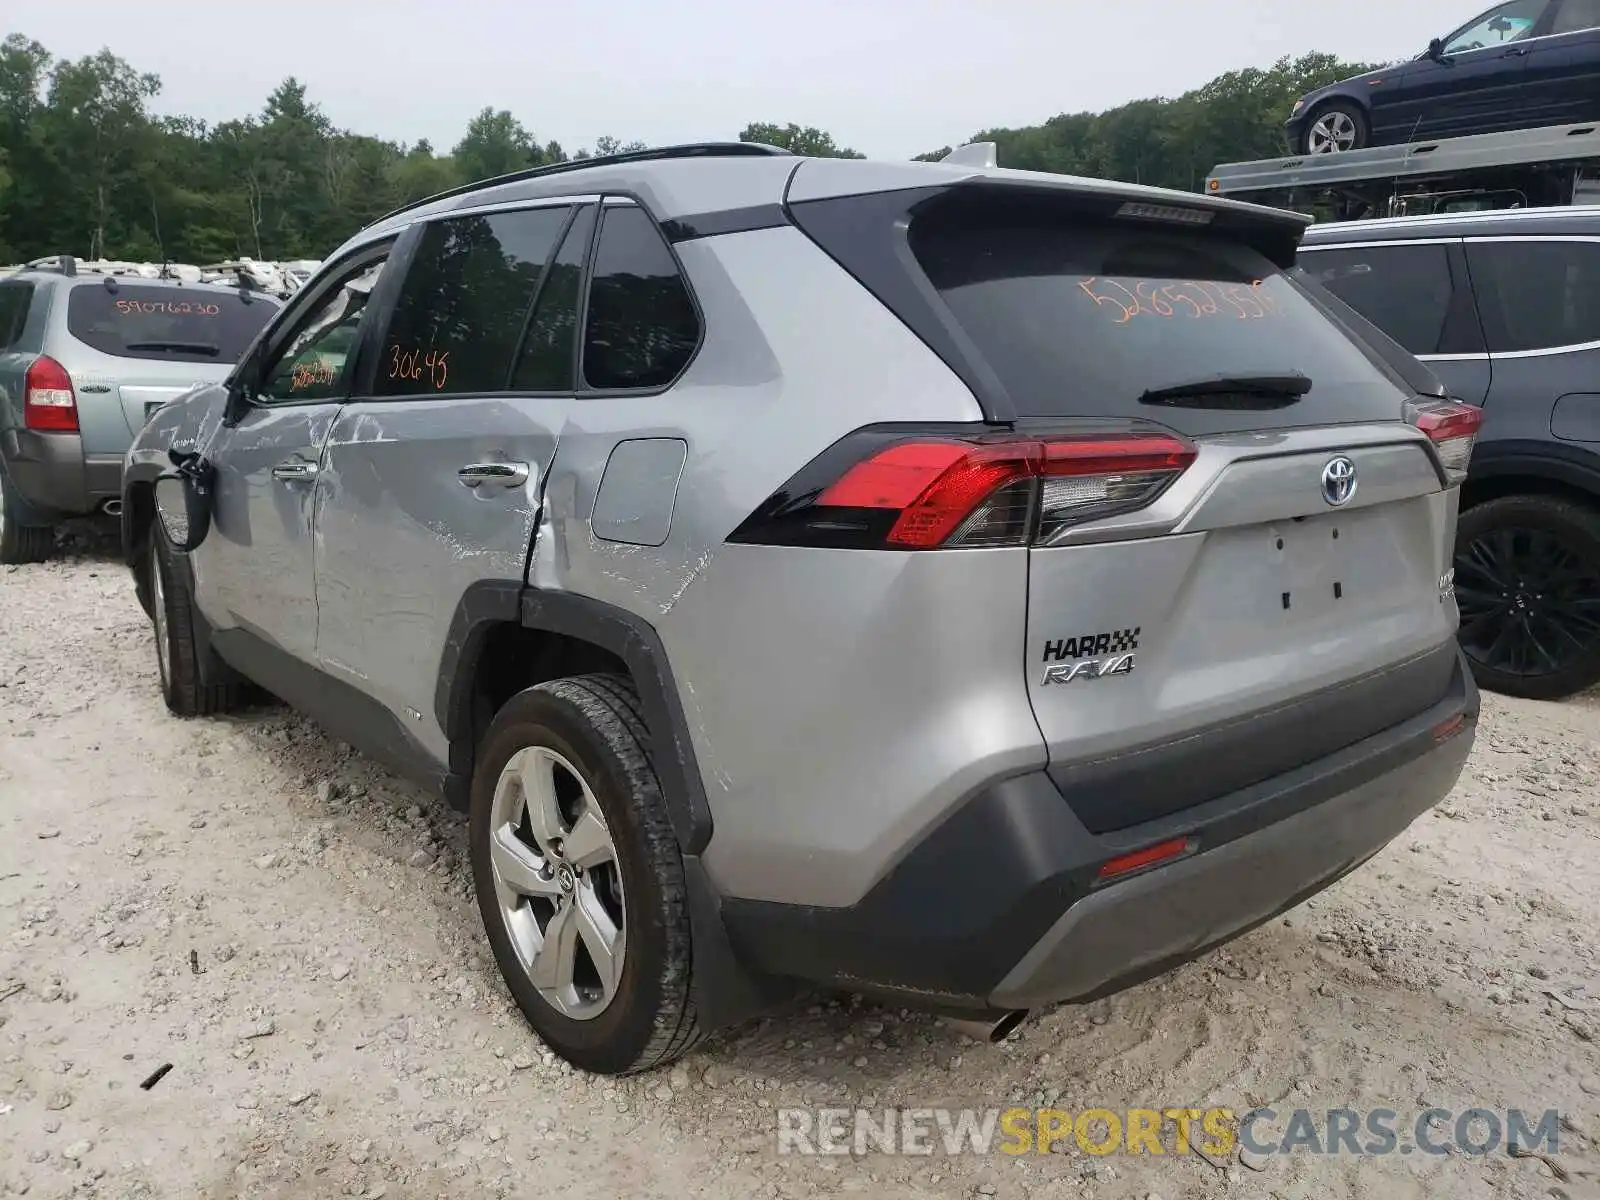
(1332, 133)
(1529, 601)
(558, 882)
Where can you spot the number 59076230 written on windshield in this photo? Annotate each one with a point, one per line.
(177, 308)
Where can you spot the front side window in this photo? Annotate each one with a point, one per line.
(1499, 26)
(1406, 291)
(465, 301)
(167, 323)
(1576, 15)
(1537, 294)
(642, 327)
(316, 362)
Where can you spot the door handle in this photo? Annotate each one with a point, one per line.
(1515, 52)
(506, 474)
(295, 469)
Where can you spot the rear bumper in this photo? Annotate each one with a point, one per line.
(999, 907)
(55, 477)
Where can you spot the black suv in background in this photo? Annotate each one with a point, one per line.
(1505, 309)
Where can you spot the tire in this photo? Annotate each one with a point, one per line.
(194, 683)
(1527, 579)
(1338, 120)
(585, 740)
(21, 543)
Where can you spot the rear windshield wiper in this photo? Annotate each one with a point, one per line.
(178, 347)
(1232, 391)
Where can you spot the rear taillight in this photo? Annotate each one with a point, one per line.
(893, 489)
(1452, 428)
(48, 402)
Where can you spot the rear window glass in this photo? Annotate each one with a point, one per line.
(174, 324)
(1081, 319)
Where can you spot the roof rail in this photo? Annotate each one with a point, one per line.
(64, 263)
(688, 150)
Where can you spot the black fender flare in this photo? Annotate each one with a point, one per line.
(633, 640)
(136, 475)
(1573, 465)
(726, 989)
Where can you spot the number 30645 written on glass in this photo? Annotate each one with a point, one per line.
(434, 366)
(1184, 298)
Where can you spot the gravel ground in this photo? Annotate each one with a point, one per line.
(292, 929)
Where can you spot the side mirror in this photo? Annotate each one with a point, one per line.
(238, 401)
(1436, 49)
(183, 501)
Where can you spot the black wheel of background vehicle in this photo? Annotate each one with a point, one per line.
(189, 690)
(21, 543)
(1335, 127)
(1528, 585)
(579, 877)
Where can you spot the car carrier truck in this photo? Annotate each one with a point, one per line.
(1523, 168)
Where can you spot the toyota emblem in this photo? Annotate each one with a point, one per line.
(1338, 481)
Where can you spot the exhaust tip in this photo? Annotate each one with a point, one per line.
(991, 1030)
(112, 508)
(1006, 1024)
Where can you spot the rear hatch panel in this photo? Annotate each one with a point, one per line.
(1248, 621)
(1217, 648)
(147, 343)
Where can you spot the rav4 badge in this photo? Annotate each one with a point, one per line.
(1088, 668)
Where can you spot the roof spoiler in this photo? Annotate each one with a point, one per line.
(974, 154)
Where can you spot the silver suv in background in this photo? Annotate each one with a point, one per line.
(973, 588)
(84, 360)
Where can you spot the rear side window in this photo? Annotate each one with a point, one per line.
(1537, 294)
(1406, 291)
(170, 324)
(1081, 318)
(465, 300)
(1575, 15)
(14, 301)
(642, 327)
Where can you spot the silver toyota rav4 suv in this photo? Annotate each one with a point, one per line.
(971, 588)
(84, 359)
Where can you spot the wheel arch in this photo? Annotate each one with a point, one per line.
(506, 621)
(138, 508)
(505, 636)
(1530, 471)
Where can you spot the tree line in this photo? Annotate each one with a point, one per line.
(88, 168)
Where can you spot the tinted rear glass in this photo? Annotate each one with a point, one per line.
(15, 299)
(1406, 291)
(171, 324)
(1537, 294)
(1082, 318)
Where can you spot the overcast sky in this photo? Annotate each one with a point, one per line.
(891, 78)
